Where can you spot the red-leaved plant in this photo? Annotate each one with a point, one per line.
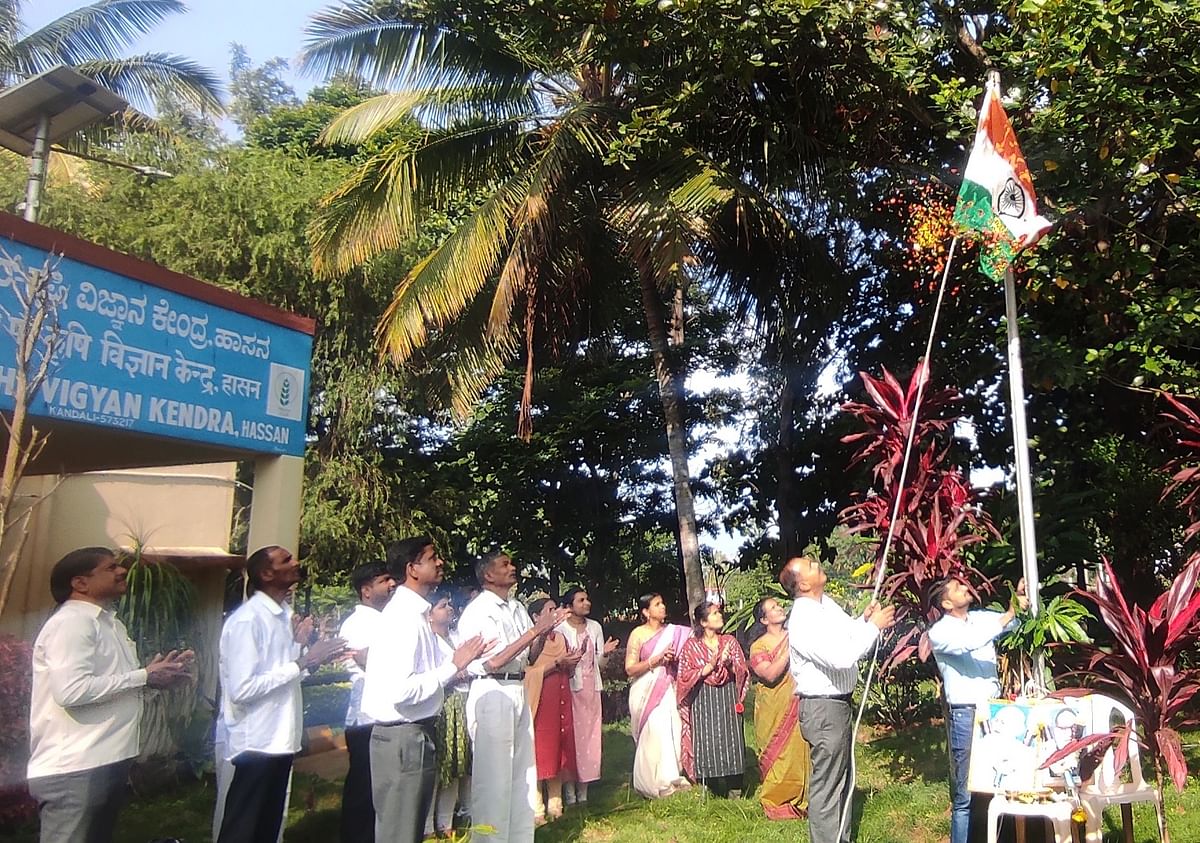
(1145, 667)
(937, 514)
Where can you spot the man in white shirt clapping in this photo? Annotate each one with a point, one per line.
(406, 676)
(826, 645)
(374, 586)
(503, 775)
(261, 664)
(86, 703)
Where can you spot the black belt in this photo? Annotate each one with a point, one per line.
(511, 677)
(962, 705)
(424, 723)
(838, 697)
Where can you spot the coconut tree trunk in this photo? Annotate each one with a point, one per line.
(670, 390)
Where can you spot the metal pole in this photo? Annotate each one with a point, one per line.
(1016, 387)
(37, 168)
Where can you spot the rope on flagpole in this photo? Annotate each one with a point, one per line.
(887, 544)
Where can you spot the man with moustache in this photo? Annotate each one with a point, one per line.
(86, 703)
(503, 778)
(406, 677)
(261, 666)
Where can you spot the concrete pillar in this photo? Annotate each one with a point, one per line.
(275, 507)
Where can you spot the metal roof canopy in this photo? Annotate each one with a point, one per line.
(70, 99)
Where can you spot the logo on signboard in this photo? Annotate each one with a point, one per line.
(285, 396)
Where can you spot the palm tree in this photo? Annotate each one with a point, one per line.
(558, 227)
(92, 38)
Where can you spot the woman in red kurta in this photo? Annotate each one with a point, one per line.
(548, 690)
(711, 685)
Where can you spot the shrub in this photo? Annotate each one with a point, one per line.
(16, 666)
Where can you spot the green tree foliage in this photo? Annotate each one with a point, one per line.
(256, 91)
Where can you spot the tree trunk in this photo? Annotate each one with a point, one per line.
(671, 391)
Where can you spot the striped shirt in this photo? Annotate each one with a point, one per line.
(826, 645)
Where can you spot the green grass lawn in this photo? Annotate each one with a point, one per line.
(902, 798)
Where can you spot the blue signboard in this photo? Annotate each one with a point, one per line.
(128, 354)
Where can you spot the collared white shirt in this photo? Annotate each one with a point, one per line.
(826, 645)
(260, 679)
(406, 671)
(357, 631)
(86, 704)
(594, 634)
(966, 656)
(493, 617)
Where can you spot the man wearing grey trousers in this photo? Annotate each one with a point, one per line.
(86, 703)
(403, 691)
(826, 645)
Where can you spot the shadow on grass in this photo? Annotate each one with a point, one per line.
(917, 753)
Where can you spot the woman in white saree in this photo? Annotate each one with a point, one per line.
(653, 710)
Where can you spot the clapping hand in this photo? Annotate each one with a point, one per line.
(546, 623)
(171, 669)
(469, 650)
(569, 661)
(610, 645)
(322, 652)
(302, 629)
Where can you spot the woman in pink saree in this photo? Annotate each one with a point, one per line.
(653, 712)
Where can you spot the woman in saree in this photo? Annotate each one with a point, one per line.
(783, 759)
(711, 686)
(453, 788)
(650, 658)
(548, 690)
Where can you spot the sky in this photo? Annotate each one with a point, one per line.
(266, 28)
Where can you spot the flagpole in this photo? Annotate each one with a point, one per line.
(1016, 390)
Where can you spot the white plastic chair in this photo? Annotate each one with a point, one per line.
(1058, 813)
(1106, 787)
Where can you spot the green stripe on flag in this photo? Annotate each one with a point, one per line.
(973, 212)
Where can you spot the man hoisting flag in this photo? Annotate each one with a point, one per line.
(997, 196)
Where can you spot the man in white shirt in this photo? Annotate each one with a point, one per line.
(261, 665)
(826, 645)
(406, 676)
(962, 646)
(374, 586)
(503, 776)
(86, 702)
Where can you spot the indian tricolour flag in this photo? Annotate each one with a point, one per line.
(997, 196)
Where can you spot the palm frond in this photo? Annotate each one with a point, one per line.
(380, 204)
(142, 79)
(358, 39)
(468, 360)
(575, 145)
(446, 281)
(438, 108)
(101, 31)
(10, 30)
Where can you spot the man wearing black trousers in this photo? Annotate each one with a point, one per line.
(374, 586)
(261, 666)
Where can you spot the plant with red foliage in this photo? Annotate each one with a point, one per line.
(1145, 666)
(1185, 472)
(16, 666)
(937, 516)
